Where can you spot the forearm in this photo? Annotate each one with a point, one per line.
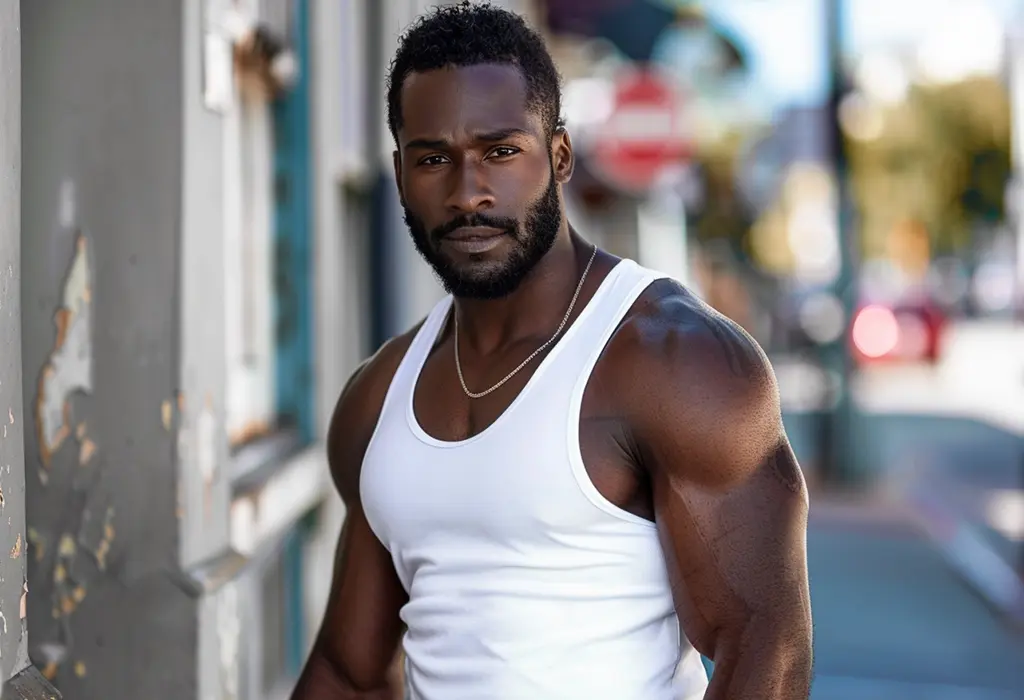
(322, 680)
(765, 660)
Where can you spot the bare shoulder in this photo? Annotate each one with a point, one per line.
(357, 410)
(671, 333)
(693, 380)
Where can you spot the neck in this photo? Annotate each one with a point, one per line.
(535, 308)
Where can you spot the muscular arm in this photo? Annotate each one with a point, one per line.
(730, 500)
(359, 637)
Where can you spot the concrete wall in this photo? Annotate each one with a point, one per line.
(13, 643)
(102, 206)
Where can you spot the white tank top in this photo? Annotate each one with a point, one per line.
(524, 582)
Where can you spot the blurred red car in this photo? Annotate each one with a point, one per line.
(909, 331)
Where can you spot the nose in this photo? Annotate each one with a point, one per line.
(469, 191)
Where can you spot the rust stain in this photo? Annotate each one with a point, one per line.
(250, 431)
(16, 549)
(49, 671)
(86, 451)
(62, 319)
(80, 669)
(67, 605)
(103, 549)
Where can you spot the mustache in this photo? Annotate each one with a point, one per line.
(506, 224)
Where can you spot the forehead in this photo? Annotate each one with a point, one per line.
(447, 102)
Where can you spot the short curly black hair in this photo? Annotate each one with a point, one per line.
(467, 34)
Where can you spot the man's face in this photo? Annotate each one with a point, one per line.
(478, 176)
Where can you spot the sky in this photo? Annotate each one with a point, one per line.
(786, 39)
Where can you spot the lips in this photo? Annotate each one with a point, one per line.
(474, 239)
(474, 233)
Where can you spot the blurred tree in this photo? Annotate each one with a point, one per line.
(723, 214)
(941, 158)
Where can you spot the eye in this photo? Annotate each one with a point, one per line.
(433, 160)
(502, 152)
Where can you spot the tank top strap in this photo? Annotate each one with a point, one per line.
(416, 355)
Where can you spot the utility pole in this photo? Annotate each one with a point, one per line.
(837, 448)
(1015, 66)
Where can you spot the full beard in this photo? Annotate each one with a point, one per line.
(498, 279)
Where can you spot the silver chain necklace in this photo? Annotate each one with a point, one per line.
(565, 319)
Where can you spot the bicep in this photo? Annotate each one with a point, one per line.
(361, 627)
(736, 550)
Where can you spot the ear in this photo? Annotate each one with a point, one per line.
(562, 158)
(396, 160)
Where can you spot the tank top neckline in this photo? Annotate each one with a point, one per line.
(430, 332)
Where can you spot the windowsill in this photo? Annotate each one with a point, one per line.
(273, 497)
(257, 460)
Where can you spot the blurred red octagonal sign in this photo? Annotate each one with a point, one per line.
(644, 134)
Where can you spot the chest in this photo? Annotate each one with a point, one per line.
(516, 457)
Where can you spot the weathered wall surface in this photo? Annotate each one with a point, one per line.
(12, 418)
(101, 212)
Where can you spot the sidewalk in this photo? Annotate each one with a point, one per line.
(894, 621)
(973, 510)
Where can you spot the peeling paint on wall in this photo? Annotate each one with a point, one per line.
(166, 413)
(228, 640)
(83, 549)
(69, 366)
(198, 444)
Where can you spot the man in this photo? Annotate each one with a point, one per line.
(570, 458)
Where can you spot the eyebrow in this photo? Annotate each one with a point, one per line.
(486, 137)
